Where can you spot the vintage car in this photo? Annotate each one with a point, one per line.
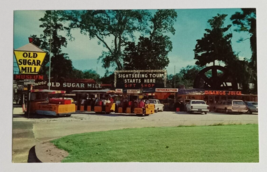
(252, 106)
(197, 106)
(158, 105)
(231, 106)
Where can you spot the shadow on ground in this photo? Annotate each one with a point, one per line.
(110, 114)
(32, 158)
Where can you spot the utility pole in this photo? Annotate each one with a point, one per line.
(50, 42)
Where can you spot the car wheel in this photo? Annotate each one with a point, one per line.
(226, 111)
(205, 113)
(156, 111)
(249, 111)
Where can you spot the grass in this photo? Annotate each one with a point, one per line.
(219, 143)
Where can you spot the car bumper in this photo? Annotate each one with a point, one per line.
(199, 110)
(238, 111)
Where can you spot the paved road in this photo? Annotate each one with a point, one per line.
(29, 132)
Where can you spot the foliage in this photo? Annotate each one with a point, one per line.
(91, 74)
(242, 73)
(148, 54)
(246, 22)
(227, 143)
(185, 77)
(61, 65)
(111, 27)
(215, 44)
(43, 44)
(76, 74)
(115, 28)
(108, 78)
(152, 52)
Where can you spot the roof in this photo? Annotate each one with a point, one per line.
(195, 91)
(47, 91)
(30, 47)
(90, 91)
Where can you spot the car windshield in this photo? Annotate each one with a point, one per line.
(254, 104)
(198, 102)
(152, 101)
(238, 102)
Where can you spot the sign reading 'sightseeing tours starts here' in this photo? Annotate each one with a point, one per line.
(140, 78)
(29, 59)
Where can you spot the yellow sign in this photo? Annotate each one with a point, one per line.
(29, 62)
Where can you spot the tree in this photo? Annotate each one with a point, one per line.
(185, 77)
(91, 74)
(41, 43)
(216, 43)
(174, 81)
(111, 27)
(152, 52)
(147, 54)
(76, 74)
(61, 65)
(246, 22)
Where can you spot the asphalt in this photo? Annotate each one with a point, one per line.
(31, 134)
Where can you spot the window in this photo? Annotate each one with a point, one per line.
(238, 103)
(197, 102)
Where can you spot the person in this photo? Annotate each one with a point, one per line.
(111, 100)
(182, 106)
(93, 104)
(103, 103)
(142, 105)
(130, 104)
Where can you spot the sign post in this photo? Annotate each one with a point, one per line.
(29, 87)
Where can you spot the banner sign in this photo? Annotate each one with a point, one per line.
(72, 85)
(229, 93)
(68, 85)
(23, 77)
(29, 58)
(166, 90)
(119, 90)
(134, 91)
(140, 78)
(29, 62)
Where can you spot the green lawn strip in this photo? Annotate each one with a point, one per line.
(226, 143)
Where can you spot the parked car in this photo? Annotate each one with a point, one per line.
(197, 106)
(158, 106)
(252, 106)
(229, 106)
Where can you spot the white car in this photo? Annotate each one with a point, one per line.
(158, 105)
(197, 106)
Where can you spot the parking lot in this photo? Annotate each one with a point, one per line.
(27, 132)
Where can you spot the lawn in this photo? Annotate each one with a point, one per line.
(225, 143)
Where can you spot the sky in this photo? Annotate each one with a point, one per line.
(190, 26)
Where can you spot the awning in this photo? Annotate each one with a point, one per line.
(47, 91)
(90, 91)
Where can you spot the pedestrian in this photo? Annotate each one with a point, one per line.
(142, 105)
